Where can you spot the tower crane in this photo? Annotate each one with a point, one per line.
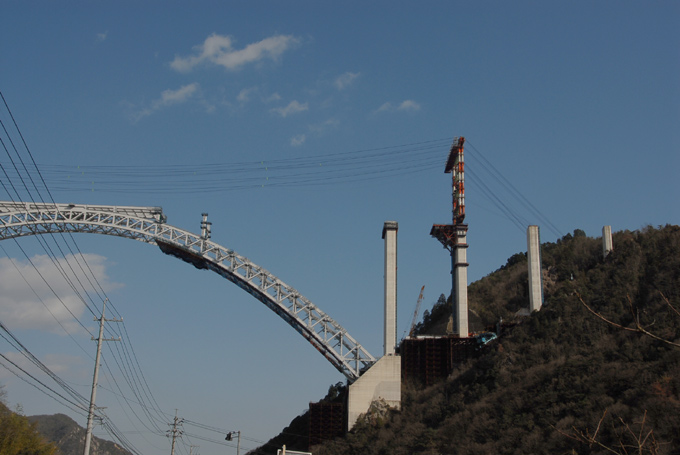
(415, 313)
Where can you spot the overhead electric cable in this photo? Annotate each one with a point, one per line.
(330, 169)
(496, 200)
(45, 386)
(98, 287)
(512, 190)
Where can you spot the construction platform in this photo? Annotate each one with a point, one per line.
(326, 421)
(428, 359)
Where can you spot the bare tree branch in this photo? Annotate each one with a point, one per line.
(638, 327)
(677, 312)
(642, 443)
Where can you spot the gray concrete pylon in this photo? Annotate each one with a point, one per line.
(459, 270)
(607, 243)
(389, 234)
(534, 260)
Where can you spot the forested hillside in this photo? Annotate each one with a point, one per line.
(562, 380)
(18, 436)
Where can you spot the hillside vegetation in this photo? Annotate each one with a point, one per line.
(46, 435)
(18, 436)
(561, 381)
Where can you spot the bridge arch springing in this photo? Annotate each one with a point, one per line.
(148, 225)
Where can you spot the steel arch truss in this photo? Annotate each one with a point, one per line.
(148, 224)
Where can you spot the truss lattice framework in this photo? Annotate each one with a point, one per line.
(148, 224)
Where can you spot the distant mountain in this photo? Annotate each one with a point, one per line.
(70, 437)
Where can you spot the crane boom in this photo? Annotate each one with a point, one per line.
(415, 313)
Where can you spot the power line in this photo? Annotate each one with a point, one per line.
(72, 278)
(299, 172)
(511, 189)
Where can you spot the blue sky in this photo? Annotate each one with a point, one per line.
(577, 104)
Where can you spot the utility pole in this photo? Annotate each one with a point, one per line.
(175, 432)
(90, 414)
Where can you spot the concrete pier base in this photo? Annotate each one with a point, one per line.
(381, 381)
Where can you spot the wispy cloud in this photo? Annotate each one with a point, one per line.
(314, 130)
(102, 36)
(298, 140)
(292, 108)
(219, 50)
(171, 97)
(24, 307)
(345, 80)
(244, 95)
(273, 97)
(321, 128)
(407, 105)
(64, 365)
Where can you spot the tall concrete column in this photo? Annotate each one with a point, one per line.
(535, 278)
(389, 233)
(459, 270)
(607, 244)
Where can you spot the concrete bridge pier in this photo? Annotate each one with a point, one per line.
(607, 244)
(535, 277)
(382, 382)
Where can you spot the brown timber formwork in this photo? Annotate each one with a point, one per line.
(427, 360)
(326, 421)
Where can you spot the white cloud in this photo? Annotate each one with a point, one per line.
(315, 130)
(385, 107)
(171, 97)
(345, 80)
(407, 105)
(102, 36)
(24, 308)
(244, 95)
(218, 49)
(273, 97)
(292, 108)
(320, 128)
(298, 140)
(69, 367)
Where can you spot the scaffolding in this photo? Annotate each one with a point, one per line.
(454, 238)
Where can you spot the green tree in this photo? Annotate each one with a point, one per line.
(18, 436)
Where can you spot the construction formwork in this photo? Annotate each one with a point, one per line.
(427, 360)
(326, 421)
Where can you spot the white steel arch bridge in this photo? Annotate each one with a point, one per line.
(148, 225)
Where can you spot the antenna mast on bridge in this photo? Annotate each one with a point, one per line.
(454, 237)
